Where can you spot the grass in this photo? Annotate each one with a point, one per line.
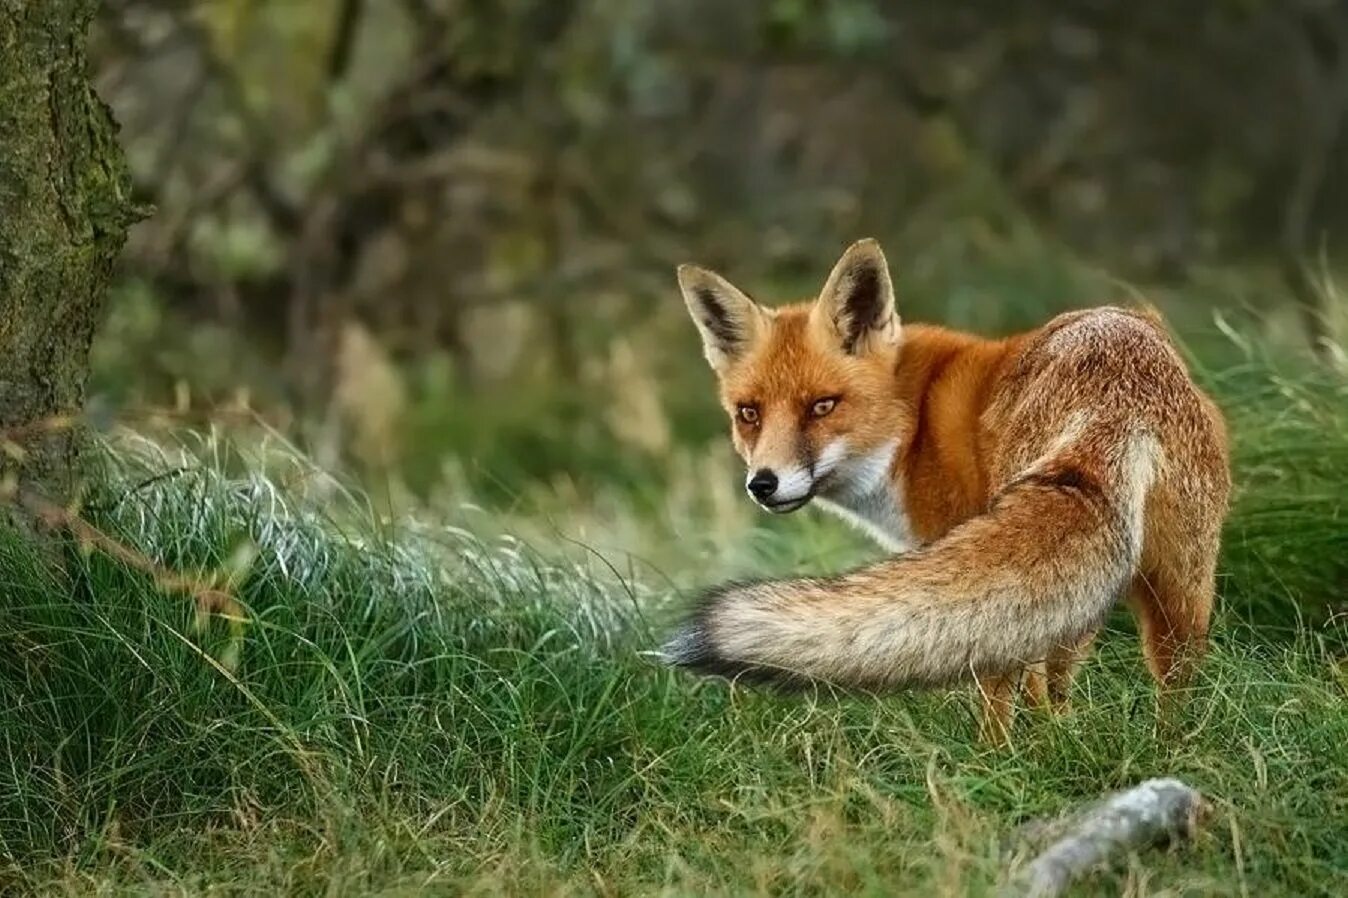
(409, 707)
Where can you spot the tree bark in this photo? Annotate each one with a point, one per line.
(65, 204)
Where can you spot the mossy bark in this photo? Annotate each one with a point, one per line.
(65, 205)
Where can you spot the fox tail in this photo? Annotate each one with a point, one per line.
(1041, 568)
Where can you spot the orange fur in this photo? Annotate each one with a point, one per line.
(1023, 483)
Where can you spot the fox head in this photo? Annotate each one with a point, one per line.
(809, 388)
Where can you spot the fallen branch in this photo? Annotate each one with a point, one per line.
(211, 593)
(1136, 818)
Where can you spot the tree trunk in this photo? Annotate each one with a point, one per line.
(64, 210)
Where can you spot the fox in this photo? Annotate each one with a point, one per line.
(1019, 486)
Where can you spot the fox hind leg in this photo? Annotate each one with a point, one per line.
(1173, 609)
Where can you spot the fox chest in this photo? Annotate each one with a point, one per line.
(873, 502)
(879, 516)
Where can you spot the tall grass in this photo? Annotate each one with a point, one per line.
(414, 706)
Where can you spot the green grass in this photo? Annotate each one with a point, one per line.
(411, 707)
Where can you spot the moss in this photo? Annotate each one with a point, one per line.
(65, 205)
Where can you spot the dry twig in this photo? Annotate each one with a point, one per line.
(1136, 818)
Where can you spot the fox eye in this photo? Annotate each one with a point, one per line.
(748, 414)
(823, 406)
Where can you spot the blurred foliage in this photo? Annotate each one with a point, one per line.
(455, 220)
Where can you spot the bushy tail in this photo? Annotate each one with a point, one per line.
(1040, 569)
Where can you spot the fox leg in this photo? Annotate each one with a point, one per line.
(1034, 685)
(997, 695)
(1048, 683)
(1172, 609)
(1062, 666)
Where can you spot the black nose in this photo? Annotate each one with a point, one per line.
(763, 484)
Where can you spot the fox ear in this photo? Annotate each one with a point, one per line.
(856, 306)
(728, 321)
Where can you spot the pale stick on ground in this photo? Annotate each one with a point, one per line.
(1126, 821)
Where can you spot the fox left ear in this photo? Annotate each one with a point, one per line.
(728, 320)
(856, 306)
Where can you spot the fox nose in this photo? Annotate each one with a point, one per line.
(763, 484)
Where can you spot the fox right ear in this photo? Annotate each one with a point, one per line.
(856, 306)
(728, 321)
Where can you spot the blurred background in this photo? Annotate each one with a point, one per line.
(434, 240)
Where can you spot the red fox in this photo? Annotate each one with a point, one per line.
(1023, 484)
